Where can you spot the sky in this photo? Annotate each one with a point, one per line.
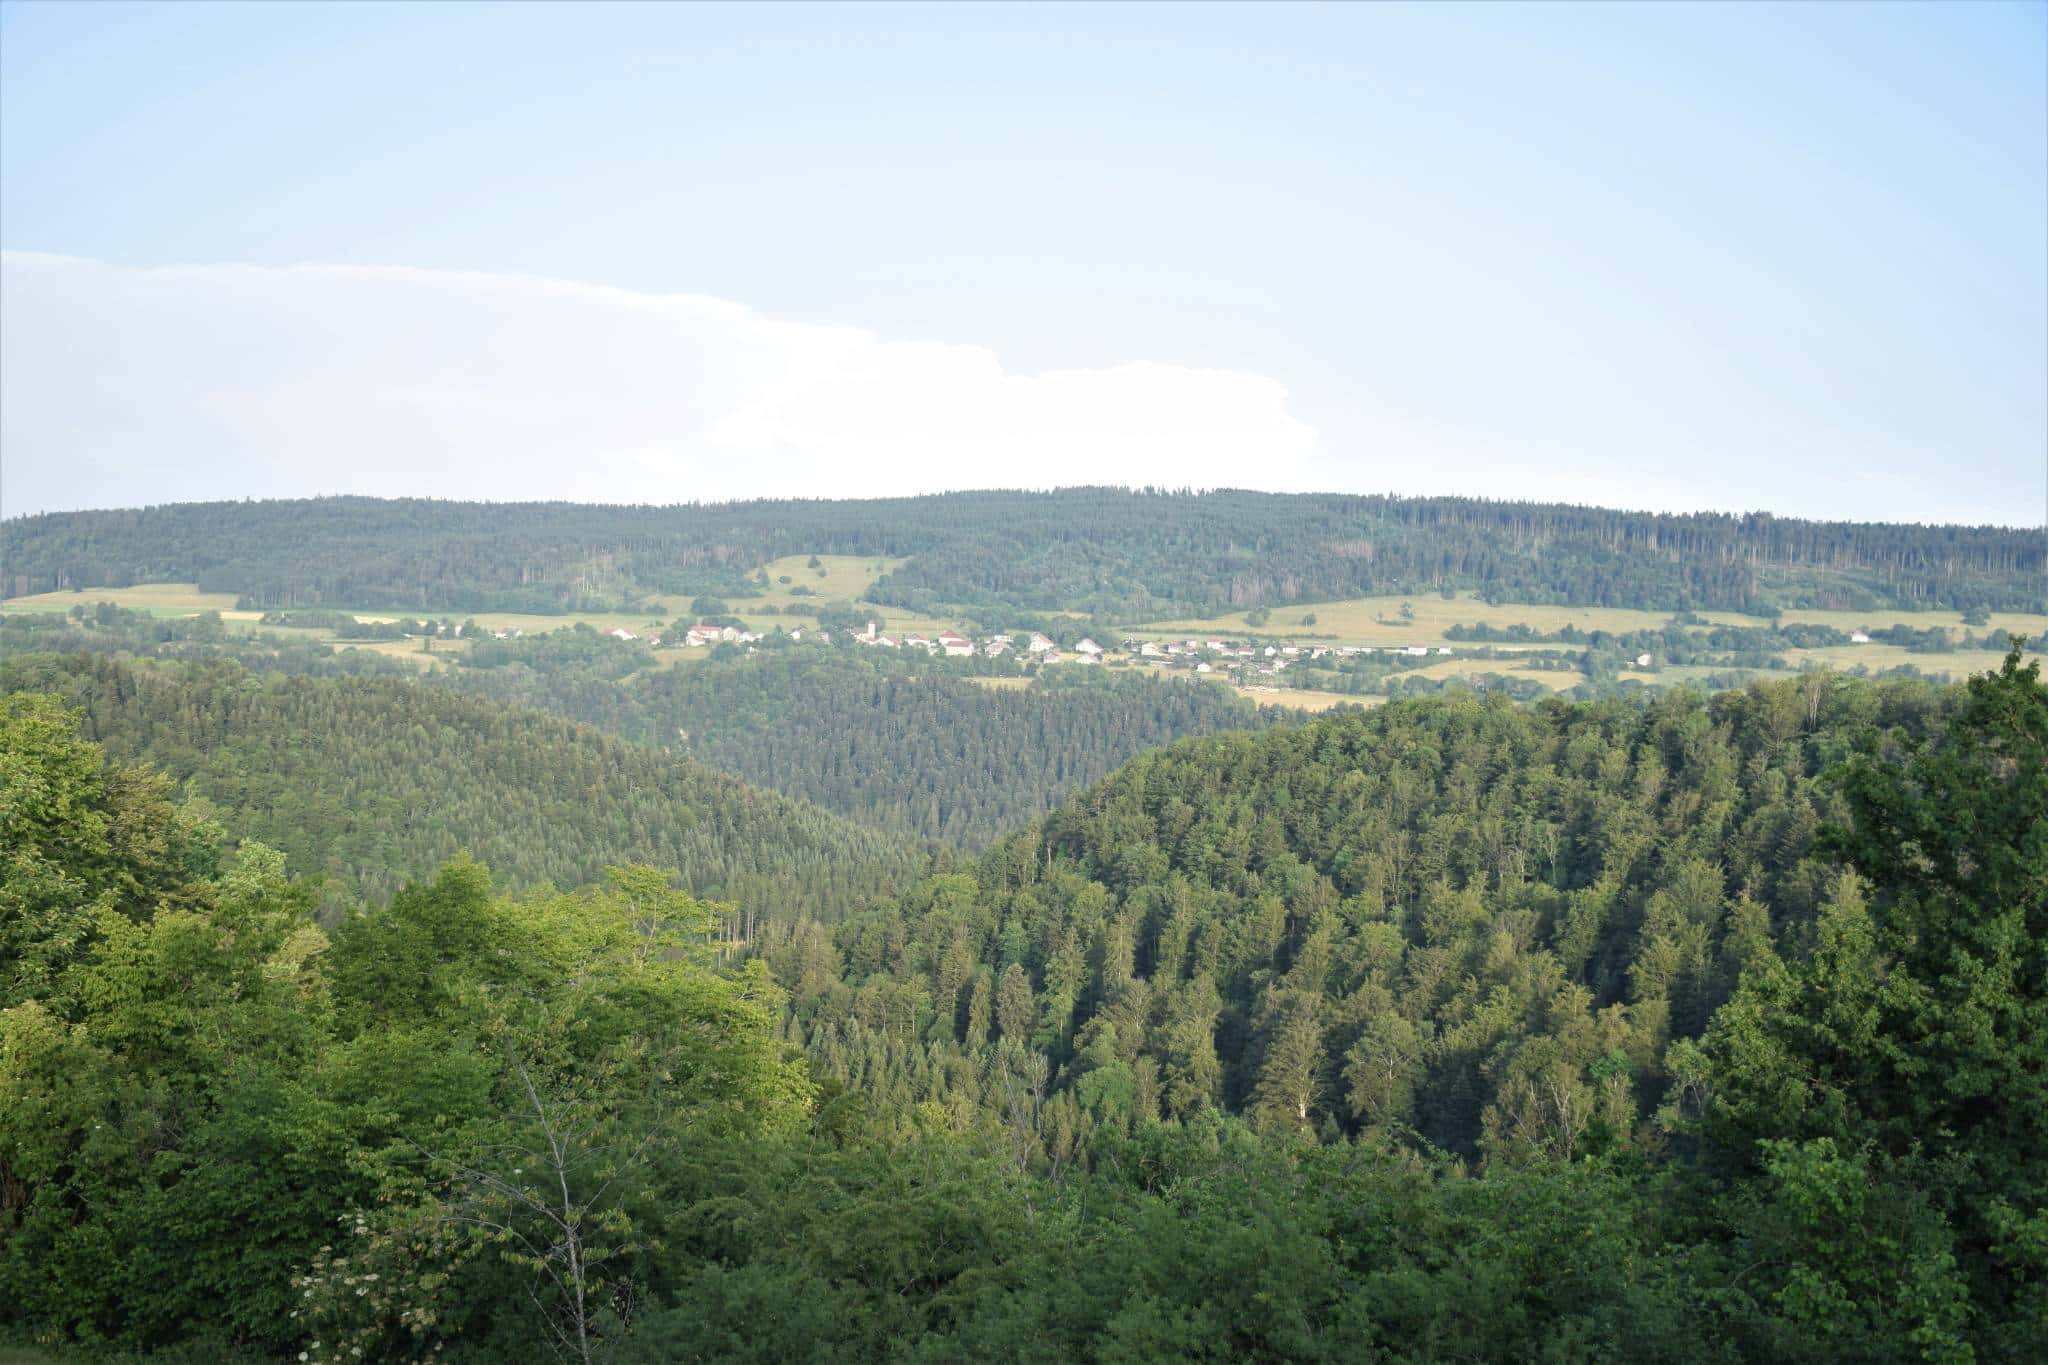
(1786, 258)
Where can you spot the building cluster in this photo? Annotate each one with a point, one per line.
(955, 645)
(1202, 655)
(1266, 659)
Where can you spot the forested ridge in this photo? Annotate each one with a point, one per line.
(910, 745)
(905, 743)
(372, 782)
(1482, 923)
(1119, 554)
(1712, 1030)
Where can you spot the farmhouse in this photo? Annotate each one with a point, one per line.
(955, 644)
(1857, 637)
(1040, 644)
(621, 633)
(1089, 648)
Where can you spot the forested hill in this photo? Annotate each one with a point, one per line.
(903, 744)
(464, 1122)
(1119, 554)
(374, 782)
(1492, 926)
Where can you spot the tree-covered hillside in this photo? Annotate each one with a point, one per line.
(905, 744)
(477, 1127)
(371, 782)
(1484, 924)
(1115, 553)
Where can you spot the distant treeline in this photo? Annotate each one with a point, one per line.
(1117, 554)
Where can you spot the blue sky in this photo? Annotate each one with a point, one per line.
(1735, 257)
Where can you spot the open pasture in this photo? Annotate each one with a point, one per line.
(1957, 664)
(159, 599)
(1302, 698)
(2011, 622)
(1378, 620)
(838, 578)
(1553, 679)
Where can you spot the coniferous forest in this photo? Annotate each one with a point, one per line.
(553, 829)
(344, 1017)
(1117, 554)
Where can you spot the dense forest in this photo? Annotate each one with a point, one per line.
(371, 782)
(1117, 554)
(904, 744)
(1713, 1031)
(1482, 924)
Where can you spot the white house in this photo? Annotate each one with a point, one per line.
(621, 633)
(1203, 668)
(1416, 651)
(1089, 648)
(1443, 649)
(1149, 650)
(997, 646)
(1642, 661)
(1039, 643)
(1857, 637)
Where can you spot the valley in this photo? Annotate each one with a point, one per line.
(1401, 939)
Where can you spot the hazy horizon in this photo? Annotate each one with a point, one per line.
(1668, 258)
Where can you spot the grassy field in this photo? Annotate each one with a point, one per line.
(1553, 679)
(408, 651)
(2011, 622)
(160, 599)
(1957, 665)
(1302, 698)
(1378, 621)
(1002, 684)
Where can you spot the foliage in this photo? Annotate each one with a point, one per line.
(1339, 1041)
(371, 782)
(1480, 923)
(1115, 553)
(907, 744)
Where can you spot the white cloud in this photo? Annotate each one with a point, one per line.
(121, 386)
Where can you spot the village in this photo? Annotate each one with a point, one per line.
(1201, 655)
